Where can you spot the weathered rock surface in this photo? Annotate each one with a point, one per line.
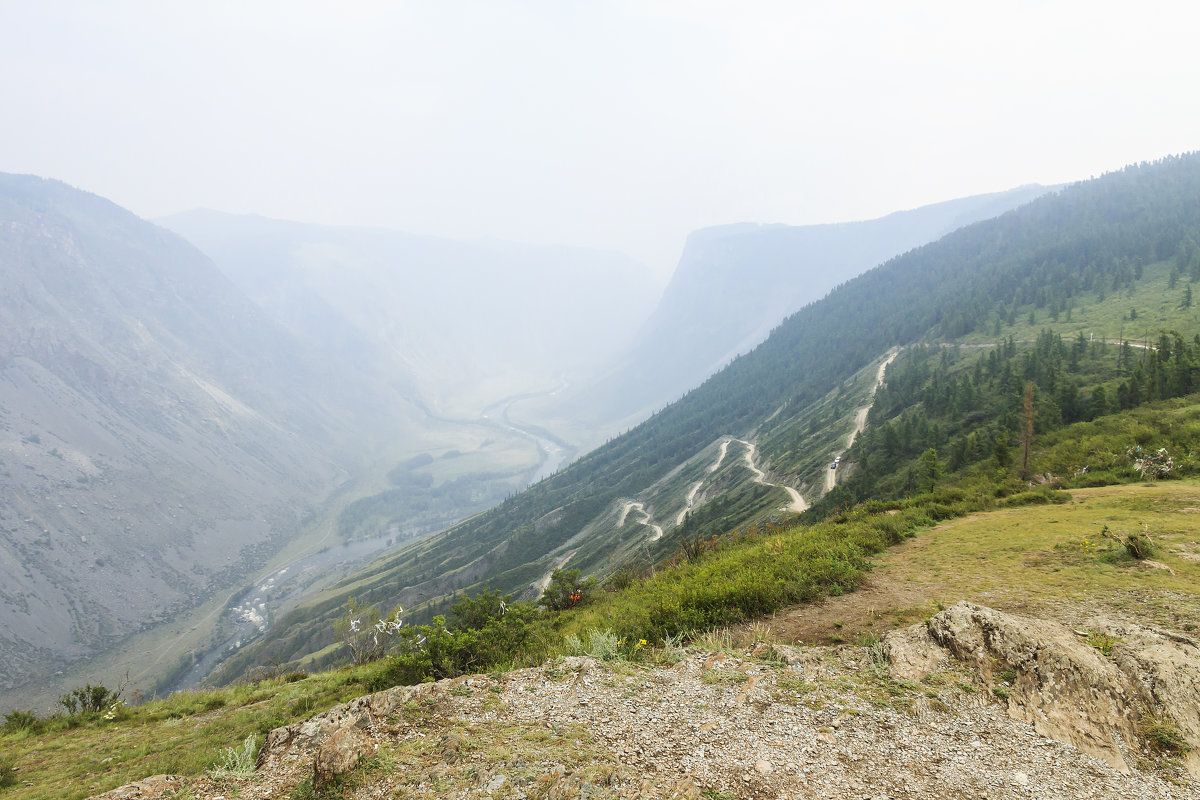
(1049, 676)
(146, 789)
(338, 754)
(1166, 668)
(302, 740)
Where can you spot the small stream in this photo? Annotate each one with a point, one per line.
(251, 612)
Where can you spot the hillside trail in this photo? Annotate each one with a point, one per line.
(646, 519)
(860, 418)
(797, 504)
(691, 498)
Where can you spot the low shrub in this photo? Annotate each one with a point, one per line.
(17, 720)
(1139, 546)
(481, 633)
(1161, 733)
(237, 761)
(88, 699)
(601, 645)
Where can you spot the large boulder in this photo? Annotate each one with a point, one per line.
(1069, 690)
(338, 754)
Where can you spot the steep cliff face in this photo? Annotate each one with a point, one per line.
(158, 435)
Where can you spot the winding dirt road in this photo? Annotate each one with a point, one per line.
(860, 418)
(691, 498)
(645, 520)
(797, 505)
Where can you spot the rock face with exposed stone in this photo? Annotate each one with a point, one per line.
(1068, 689)
(338, 754)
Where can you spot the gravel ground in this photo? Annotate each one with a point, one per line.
(829, 724)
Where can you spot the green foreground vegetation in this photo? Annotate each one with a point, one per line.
(1042, 543)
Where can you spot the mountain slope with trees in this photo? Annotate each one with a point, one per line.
(1079, 245)
(733, 284)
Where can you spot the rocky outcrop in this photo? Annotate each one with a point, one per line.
(151, 788)
(1068, 689)
(1166, 668)
(304, 739)
(337, 755)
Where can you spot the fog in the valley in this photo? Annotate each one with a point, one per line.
(289, 285)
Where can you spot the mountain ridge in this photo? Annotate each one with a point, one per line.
(157, 432)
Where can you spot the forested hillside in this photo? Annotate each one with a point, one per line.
(1078, 253)
(736, 282)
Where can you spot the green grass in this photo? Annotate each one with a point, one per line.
(1057, 559)
(186, 734)
(745, 575)
(1158, 309)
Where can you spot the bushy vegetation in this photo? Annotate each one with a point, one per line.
(8, 772)
(89, 699)
(567, 589)
(479, 634)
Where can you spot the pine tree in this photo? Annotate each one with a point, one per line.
(1026, 428)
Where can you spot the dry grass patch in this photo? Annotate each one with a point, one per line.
(1052, 561)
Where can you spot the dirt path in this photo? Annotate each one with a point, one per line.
(797, 504)
(691, 498)
(558, 564)
(860, 418)
(645, 520)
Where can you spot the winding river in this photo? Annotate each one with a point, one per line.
(254, 607)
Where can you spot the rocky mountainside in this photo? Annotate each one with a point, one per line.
(971, 703)
(158, 434)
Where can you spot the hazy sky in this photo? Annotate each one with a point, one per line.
(620, 125)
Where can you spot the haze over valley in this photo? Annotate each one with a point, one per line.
(609, 400)
(183, 425)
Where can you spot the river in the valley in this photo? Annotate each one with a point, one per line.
(250, 613)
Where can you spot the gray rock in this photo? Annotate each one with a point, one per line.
(337, 755)
(1066, 688)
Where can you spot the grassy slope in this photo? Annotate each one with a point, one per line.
(1158, 308)
(1049, 560)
